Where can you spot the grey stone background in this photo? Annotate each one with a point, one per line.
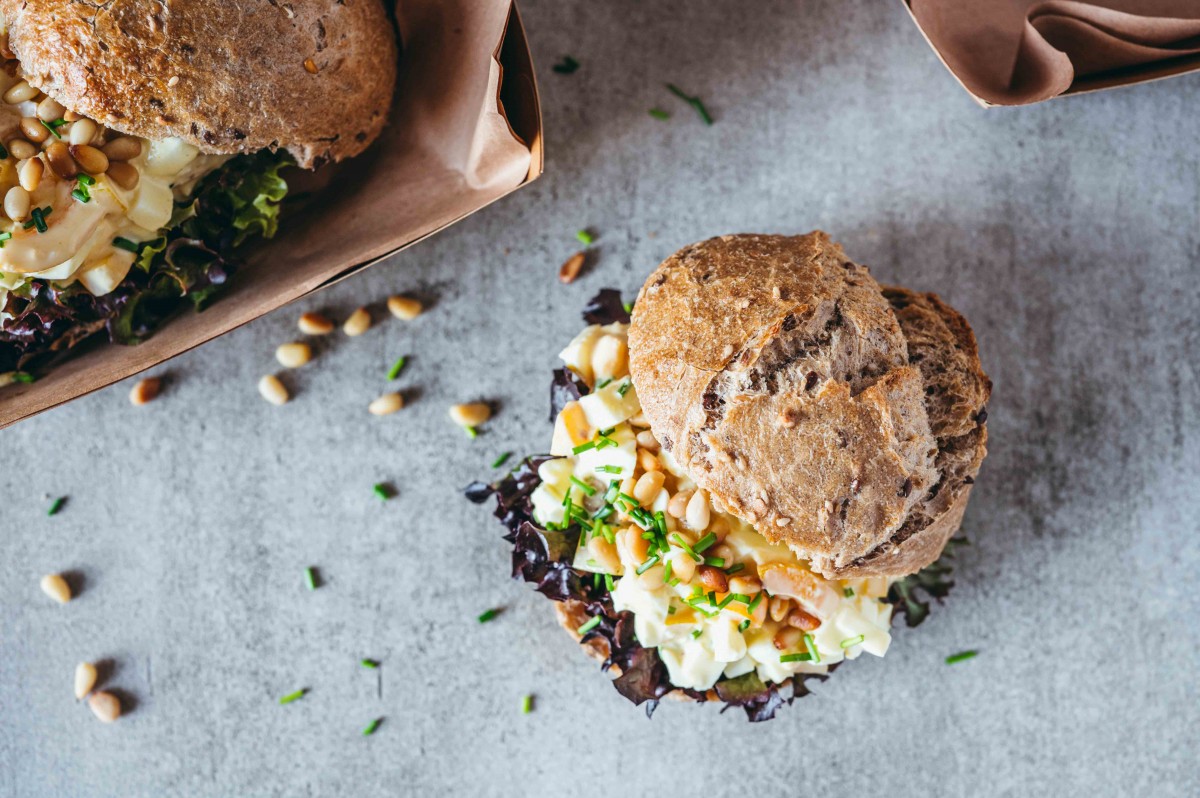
(1067, 233)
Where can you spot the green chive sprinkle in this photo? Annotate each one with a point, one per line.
(472, 433)
(591, 624)
(733, 569)
(81, 195)
(526, 704)
(624, 389)
(501, 460)
(566, 66)
(369, 663)
(586, 237)
(489, 614)
(704, 542)
(583, 486)
(4, 237)
(397, 367)
(54, 126)
(310, 578)
(85, 180)
(583, 447)
(795, 658)
(852, 641)
(371, 727)
(811, 645)
(609, 469)
(628, 309)
(848, 592)
(125, 244)
(695, 102)
(608, 582)
(696, 633)
(382, 491)
(647, 565)
(296, 696)
(667, 571)
(659, 113)
(960, 656)
(603, 383)
(753, 605)
(715, 562)
(56, 505)
(683, 544)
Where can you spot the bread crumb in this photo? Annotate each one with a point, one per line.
(173, 82)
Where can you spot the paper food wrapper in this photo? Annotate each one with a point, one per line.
(1013, 52)
(465, 130)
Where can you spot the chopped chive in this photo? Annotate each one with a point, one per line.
(667, 571)
(608, 582)
(605, 443)
(296, 696)
(628, 499)
(605, 512)
(733, 569)
(311, 579)
(39, 219)
(81, 195)
(54, 126)
(741, 598)
(671, 610)
(501, 460)
(566, 66)
(647, 565)
(586, 237)
(659, 113)
(715, 562)
(596, 580)
(487, 615)
(753, 605)
(583, 486)
(56, 505)
(369, 663)
(848, 592)
(604, 382)
(3, 153)
(852, 641)
(795, 658)
(960, 656)
(609, 469)
(526, 704)
(382, 491)
(704, 542)
(591, 624)
(371, 727)
(696, 633)
(811, 645)
(724, 602)
(624, 389)
(125, 244)
(85, 179)
(22, 376)
(683, 544)
(472, 433)
(397, 367)
(583, 447)
(4, 237)
(695, 102)
(744, 625)
(628, 309)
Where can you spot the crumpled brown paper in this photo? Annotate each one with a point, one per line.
(1013, 52)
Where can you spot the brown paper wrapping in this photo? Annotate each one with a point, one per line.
(1014, 52)
(465, 130)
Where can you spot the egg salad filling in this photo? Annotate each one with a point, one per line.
(712, 595)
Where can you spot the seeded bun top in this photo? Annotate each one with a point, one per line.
(842, 419)
(315, 78)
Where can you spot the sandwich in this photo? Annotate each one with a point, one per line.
(751, 472)
(144, 142)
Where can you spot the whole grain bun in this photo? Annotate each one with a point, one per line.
(315, 79)
(842, 419)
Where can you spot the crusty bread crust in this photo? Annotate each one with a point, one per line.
(315, 79)
(781, 377)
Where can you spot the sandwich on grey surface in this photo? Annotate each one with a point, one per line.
(747, 470)
(144, 141)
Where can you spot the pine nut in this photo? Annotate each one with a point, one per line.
(651, 578)
(82, 132)
(632, 547)
(639, 421)
(470, 415)
(49, 110)
(272, 389)
(293, 355)
(357, 323)
(20, 92)
(802, 620)
(605, 554)
(647, 441)
(748, 585)
(123, 148)
(29, 173)
(648, 486)
(85, 679)
(697, 516)
(33, 129)
(310, 323)
(146, 390)
(16, 204)
(713, 578)
(759, 615)
(105, 706)
(787, 637)
(125, 175)
(682, 565)
(386, 405)
(91, 160)
(21, 149)
(648, 461)
(678, 504)
(570, 270)
(610, 357)
(59, 156)
(71, 116)
(403, 307)
(54, 586)
(723, 552)
(780, 607)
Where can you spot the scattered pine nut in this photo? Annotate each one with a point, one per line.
(570, 270)
(386, 405)
(85, 679)
(403, 307)
(272, 389)
(315, 324)
(54, 586)
(470, 415)
(146, 390)
(293, 355)
(358, 322)
(105, 706)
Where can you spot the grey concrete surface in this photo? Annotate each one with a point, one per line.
(1068, 233)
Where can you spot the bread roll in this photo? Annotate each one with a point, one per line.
(842, 419)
